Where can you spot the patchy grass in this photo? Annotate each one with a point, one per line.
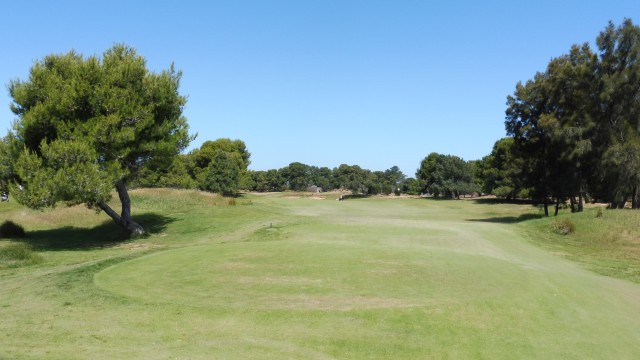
(306, 278)
(604, 241)
(17, 254)
(563, 226)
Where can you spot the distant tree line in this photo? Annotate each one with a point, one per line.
(300, 177)
(221, 166)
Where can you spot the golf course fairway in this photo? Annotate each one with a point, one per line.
(304, 278)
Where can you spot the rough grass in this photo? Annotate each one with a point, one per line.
(18, 254)
(604, 241)
(301, 278)
(563, 226)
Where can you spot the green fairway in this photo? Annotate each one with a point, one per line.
(288, 277)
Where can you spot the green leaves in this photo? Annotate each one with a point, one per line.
(65, 171)
(446, 175)
(222, 175)
(86, 123)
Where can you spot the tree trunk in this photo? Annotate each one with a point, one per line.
(124, 220)
(623, 203)
(573, 203)
(557, 206)
(580, 202)
(634, 199)
(546, 207)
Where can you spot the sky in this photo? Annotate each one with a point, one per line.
(323, 82)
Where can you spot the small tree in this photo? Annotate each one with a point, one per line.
(222, 175)
(221, 165)
(87, 125)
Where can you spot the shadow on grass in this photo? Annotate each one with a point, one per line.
(352, 196)
(104, 235)
(509, 219)
(496, 201)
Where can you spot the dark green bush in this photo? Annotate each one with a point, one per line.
(503, 192)
(11, 230)
(563, 226)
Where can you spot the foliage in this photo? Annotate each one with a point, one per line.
(222, 174)
(619, 81)
(353, 178)
(445, 175)
(178, 175)
(88, 125)
(207, 152)
(219, 166)
(297, 176)
(321, 177)
(575, 126)
(500, 171)
(8, 151)
(503, 192)
(11, 230)
(270, 180)
(411, 186)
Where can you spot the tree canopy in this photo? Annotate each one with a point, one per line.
(87, 125)
(445, 175)
(220, 165)
(577, 124)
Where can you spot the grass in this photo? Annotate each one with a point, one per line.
(17, 255)
(296, 277)
(604, 241)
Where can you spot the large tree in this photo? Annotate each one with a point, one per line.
(89, 125)
(577, 124)
(551, 119)
(619, 73)
(501, 170)
(446, 175)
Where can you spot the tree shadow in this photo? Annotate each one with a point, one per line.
(353, 196)
(104, 235)
(509, 219)
(496, 201)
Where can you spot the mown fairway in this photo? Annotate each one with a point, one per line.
(277, 277)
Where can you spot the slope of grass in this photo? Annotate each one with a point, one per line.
(604, 241)
(283, 276)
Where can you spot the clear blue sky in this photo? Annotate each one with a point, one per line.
(324, 82)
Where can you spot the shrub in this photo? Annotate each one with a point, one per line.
(503, 192)
(11, 230)
(14, 255)
(563, 226)
(599, 213)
